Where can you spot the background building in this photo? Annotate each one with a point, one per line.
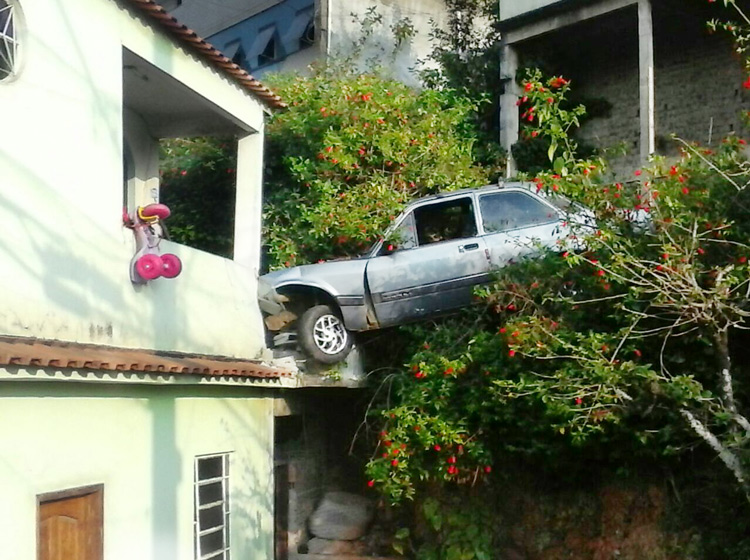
(274, 35)
(650, 67)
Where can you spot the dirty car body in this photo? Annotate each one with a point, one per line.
(431, 259)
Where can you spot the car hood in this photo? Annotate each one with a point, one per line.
(337, 278)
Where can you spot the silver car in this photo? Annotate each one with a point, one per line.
(428, 263)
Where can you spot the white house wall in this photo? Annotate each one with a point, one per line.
(63, 251)
(141, 447)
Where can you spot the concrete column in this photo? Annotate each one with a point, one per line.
(646, 79)
(249, 201)
(508, 108)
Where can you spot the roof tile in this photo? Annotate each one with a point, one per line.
(18, 351)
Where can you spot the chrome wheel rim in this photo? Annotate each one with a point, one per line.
(329, 334)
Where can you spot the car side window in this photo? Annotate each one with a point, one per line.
(443, 221)
(505, 211)
(405, 235)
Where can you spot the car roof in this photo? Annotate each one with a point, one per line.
(515, 185)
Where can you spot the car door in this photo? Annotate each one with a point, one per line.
(516, 223)
(438, 261)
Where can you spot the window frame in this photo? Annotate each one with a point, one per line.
(10, 44)
(198, 531)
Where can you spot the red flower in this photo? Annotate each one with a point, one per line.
(437, 447)
(387, 443)
(329, 149)
(370, 483)
(637, 353)
(700, 250)
(394, 462)
(673, 170)
(488, 469)
(511, 353)
(746, 83)
(638, 172)
(600, 272)
(579, 401)
(685, 190)
(528, 87)
(451, 460)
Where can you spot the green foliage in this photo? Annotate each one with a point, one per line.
(363, 146)
(626, 337)
(198, 185)
(466, 58)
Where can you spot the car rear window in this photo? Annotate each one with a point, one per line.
(505, 211)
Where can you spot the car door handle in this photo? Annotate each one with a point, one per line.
(468, 247)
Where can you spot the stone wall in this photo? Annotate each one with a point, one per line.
(697, 79)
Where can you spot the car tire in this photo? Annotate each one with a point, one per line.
(322, 335)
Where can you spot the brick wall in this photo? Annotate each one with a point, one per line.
(697, 80)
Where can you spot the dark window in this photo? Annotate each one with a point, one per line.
(212, 507)
(8, 40)
(239, 57)
(512, 210)
(443, 221)
(269, 53)
(308, 36)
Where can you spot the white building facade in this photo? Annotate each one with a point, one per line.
(137, 419)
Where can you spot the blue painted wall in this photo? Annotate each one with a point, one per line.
(285, 24)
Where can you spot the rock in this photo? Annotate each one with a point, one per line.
(341, 517)
(346, 548)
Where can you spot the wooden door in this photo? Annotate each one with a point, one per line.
(281, 516)
(70, 525)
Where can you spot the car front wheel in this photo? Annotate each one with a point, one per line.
(322, 335)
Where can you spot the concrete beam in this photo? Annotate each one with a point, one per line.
(508, 108)
(646, 80)
(559, 21)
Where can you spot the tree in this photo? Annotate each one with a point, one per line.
(363, 146)
(626, 342)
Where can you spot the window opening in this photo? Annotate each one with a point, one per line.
(308, 35)
(268, 54)
(239, 57)
(8, 39)
(445, 221)
(211, 518)
(513, 210)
